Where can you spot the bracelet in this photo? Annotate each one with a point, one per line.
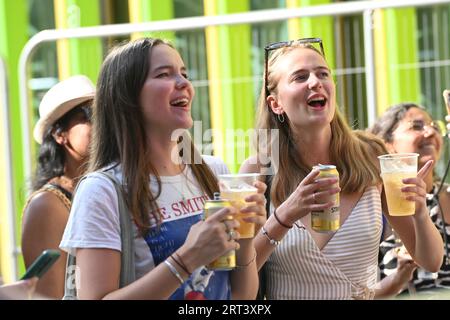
(272, 241)
(174, 271)
(285, 225)
(181, 264)
(279, 221)
(247, 264)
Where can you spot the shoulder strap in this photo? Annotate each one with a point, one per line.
(127, 271)
(63, 195)
(60, 192)
(58, 187)
(70, 288)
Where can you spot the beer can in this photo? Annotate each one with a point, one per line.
(327, 220)
(228, 260)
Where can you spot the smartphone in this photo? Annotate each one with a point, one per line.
(42, 264)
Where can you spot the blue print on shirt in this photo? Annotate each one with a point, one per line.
(203, 284)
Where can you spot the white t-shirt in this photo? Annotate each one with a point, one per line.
(94, 223)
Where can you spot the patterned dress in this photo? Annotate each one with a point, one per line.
(423, 281)
(62, 194)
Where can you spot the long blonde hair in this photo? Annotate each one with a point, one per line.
(353, 152)
(118, 130)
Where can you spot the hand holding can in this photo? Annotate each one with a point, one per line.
(327, 220)
(228, 260)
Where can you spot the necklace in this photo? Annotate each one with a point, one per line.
(180, 185)
(183, 196)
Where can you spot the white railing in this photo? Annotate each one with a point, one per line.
(335, 9)
(9, 215)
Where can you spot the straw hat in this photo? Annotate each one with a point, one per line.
(60, 99)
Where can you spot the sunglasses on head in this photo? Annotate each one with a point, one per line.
(282, 44)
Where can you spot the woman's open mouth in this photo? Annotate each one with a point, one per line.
(317, 102)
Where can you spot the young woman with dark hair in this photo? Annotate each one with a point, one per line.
(63, 130)
(408, 127)
(143, 99)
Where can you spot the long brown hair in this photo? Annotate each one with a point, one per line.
(352, 152)
(118, 130)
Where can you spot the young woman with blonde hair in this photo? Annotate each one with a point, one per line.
(299, 99)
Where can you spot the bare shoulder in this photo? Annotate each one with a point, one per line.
(43, 223)
(250, 165)
(445, 192)
(444, 198)
(45, 206)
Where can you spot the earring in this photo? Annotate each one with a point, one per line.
(280, 117)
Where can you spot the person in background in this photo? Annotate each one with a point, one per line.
(141, 112)
(63, 131)
(405, 128)
(299, 99)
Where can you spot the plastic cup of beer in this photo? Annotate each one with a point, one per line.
(394, 168)
(235, 188)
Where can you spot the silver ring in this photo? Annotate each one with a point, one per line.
(230, 235)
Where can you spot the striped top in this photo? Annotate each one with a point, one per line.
(346, 268)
